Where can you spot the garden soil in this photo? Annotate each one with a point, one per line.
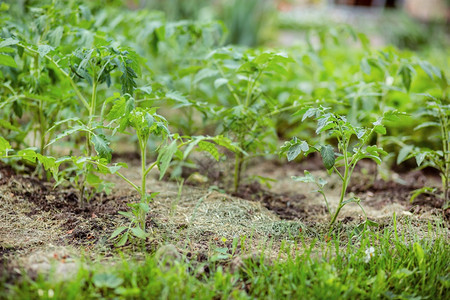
(44, 228)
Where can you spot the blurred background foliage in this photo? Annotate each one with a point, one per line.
(407, 24)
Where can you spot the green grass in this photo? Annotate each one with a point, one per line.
(403, 266)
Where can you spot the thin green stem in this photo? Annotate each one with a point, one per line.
(143, 148)
(149, 168)
(128, 181)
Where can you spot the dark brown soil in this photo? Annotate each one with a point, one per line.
(286, 206)
(83, 223)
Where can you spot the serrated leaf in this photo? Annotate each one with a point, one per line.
(43, 50)
(49, 163)
(101, 146)
(178, 97)
(360, 133)
(227, 143)
(116, 167)
(164, 158)
(55, 36)
(296, 149)
(309, 113)
(121, 111)
(328, 157)
(127, 80)
(210, 148)
(308, 178)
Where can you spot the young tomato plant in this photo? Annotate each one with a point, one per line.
(145, 122)
(243, 110)
(352, 145)
(439, 113)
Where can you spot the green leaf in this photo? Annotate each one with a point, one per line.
(121, 111)
(365, 66)
(402, 273)
(308, 178)
(380, 129)
(123, 240)
(139, 233)
(219, 82)
(296, 149)
(309, 113)
(43, 50)
(351, 200)
(8, 42)
(6, 60)
(49, 163)
(4, 146)
(101, 145)
(28, 154)
(118, 231)
(406, 74)
(418, 251)
(127, 80)
(210, 148)
(404, 153)
(205, 73)
(427, 124)
(424, 190)
(116, 167)
(328, 157)
(68, 132)
(420, 157)
(127, 214)
(55, 36)
(372, 223)
(144, 207)
(374, 150)
(227, 143)
(165, 156)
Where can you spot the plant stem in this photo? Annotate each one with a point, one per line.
(143, 146)
(341, 199)
(237, 170)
